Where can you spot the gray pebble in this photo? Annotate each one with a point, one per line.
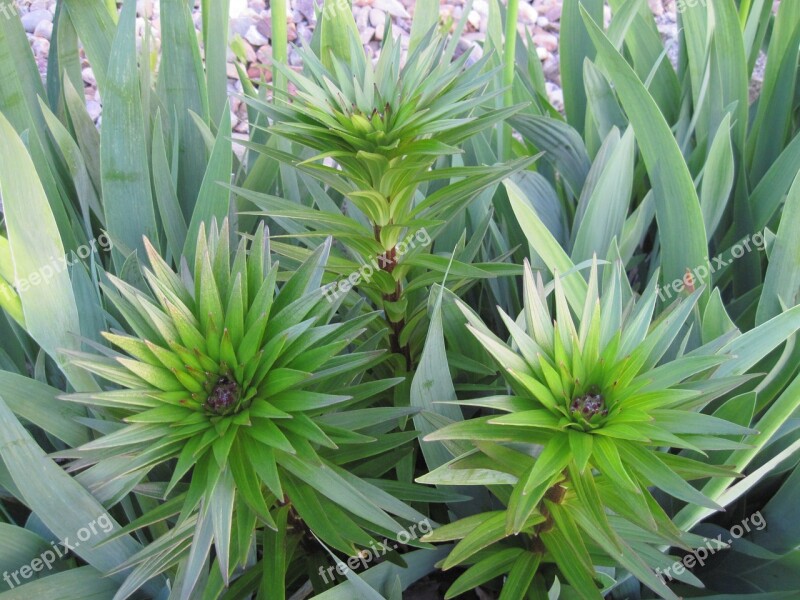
(33, 18)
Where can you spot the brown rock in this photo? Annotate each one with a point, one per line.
(264, 55)
(88, 76)
(249, 51)
(256, 72)
(44, 29)
(546, 40)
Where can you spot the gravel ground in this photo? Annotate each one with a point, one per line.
(251, 30)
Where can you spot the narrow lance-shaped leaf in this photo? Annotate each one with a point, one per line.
(782, 280)
(127, 196)
(213, 201)
(182, 85)
(680, 220)
(44, 287)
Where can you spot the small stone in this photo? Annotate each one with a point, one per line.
(546, 40)
(361, 15)
(230, 71)
(295, 60)
(474, 20)
(141, 25)
(235, 89)
(556, 98)
(264, 55)
(366, 34)
(393, 7)
(94, 109)
(237, 7)
(554, 13)
(241, 126)
(373, 48)
(542, 53)
(291, 31)
(542, 22)
(44, 29)
(41, 48)
(466, 46)
(255, 37)
(257, 5)
(306, 8)
(88, 76)
(249, 51)
(256, 72)
(264, 26)
(550, 68)
(657, 7)
(144, 8)
(527, 13)
(33, 18)
(240, 25)
(482, 6)
(304, 32)
(377, 18)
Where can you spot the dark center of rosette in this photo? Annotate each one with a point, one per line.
(589, 405)
(224, 397)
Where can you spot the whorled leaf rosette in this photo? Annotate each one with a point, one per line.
(385, 125)
(243, 402)
(603, 408)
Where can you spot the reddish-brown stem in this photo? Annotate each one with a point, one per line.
(387, 262)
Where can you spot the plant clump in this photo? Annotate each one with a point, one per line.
(238, 390)
(595, 401)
